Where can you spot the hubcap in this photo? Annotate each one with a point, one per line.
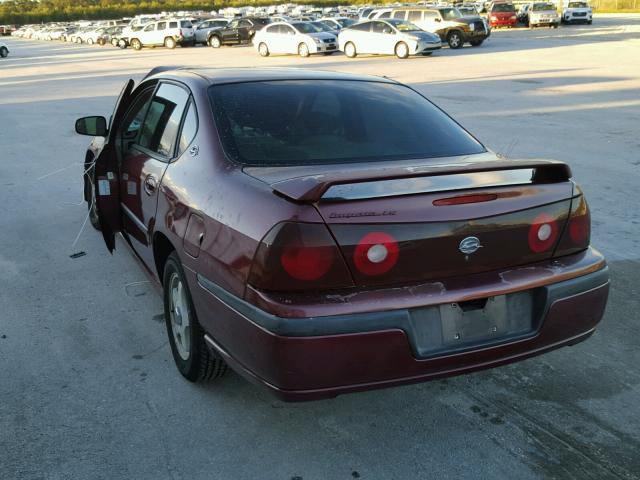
(351, 50)
(402, 50)
(179, 313)
(304, 51)
(455, 40)
(263, 49)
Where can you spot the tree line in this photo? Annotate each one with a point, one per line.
(22, 12)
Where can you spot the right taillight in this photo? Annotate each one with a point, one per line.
(577, 234)
(299, 256)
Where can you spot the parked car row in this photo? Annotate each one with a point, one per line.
(401, 30)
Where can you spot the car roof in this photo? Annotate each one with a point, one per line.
(218, 76)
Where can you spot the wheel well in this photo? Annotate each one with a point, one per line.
(162, 248)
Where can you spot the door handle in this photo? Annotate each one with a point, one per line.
(150, 184)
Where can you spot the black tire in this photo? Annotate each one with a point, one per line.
(201, 364)
(214, 41)
(263, 49)
(4, 52)
(90, 195)
(303, 50)
(350, 50)
(401, 50)
(136, 44)
(455, 40)
(476, 43)
(589, 22)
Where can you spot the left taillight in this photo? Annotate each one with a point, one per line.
(299, 256)
(577, 233)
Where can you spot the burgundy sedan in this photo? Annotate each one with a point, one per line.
(324, 233)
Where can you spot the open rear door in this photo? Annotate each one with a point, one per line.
(107, 172)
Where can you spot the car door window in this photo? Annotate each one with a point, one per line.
(173, 24)
(132, 124)
(189, 129)
(362, 27)
(149, 28)
(162, 26)
(287, 30)
(273, 29)
(399, 15)
(161, 125)
(431, 15)
(381, 27)
(415, 16)
(245, 24)
(234, 24)
(385, 15)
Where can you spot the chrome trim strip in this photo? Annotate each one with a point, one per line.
(132, 216)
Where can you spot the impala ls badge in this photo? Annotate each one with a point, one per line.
(470, 245)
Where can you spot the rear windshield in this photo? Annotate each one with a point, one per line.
(503, 7)
(578, 5)
(186, 24)
(332, 121)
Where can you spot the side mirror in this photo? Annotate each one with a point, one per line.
(438, 19)
(92, 126)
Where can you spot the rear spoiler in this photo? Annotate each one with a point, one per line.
(390, 181)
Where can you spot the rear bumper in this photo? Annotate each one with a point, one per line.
(321, 357)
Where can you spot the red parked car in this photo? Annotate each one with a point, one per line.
(324, 233)
(502, 14)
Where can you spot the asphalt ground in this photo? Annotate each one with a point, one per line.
(88, 389)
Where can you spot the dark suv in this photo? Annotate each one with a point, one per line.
(239, 31)
(447, 22)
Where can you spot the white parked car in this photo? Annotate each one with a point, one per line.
(387, 37)
(4, 50)
(295, 37)
(170, 33)
(577, 12)
(203, 29)
(543, 13)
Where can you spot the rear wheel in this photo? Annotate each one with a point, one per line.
(90, 41)
(263, 50)
(303, 50)
(350, 50)
(170, 42)
(214, 41)
(402, 50)
(476, 43)
(136, 44)
(454, 39)
(4, 52)
(192, 356)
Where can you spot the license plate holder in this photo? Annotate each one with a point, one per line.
(454, 327)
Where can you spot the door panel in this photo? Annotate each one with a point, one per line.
(106, 174)
(147, 148)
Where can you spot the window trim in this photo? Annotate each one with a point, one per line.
(190, 103)
(153, 154)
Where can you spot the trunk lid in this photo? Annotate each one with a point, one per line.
(407, 223)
